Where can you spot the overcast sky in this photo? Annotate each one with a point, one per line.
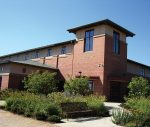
(26, 24)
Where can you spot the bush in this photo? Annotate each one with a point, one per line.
(95, 103)
(54, 118)
(42, 83)
(77, 86)
(140, 108)
(121, 116)
(139, 87)
(32, 105)
(5, 93)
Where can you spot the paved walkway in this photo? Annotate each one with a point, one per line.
(93, 121)
(8, 119)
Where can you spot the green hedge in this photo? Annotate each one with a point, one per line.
(32, 105)
(95, 103)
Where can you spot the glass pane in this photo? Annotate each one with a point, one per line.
(91, 33)
(87, 44)
(91, 44)
(87, 34)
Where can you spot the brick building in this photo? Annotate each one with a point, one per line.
(99, 52)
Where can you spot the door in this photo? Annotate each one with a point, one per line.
(115, 91)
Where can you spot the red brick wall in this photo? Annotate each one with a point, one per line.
(90, 63)
(114, 64)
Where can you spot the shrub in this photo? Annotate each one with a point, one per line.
(140, 108)
(138, 87)
(40, 112)
(54, 118)
(32, 105)
(95, 103)
(43, 83)
(53, 109)
(121, 116)
(5, 93)
(77, 86)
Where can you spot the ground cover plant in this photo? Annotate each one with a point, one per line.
(32, 105)
(137, 105)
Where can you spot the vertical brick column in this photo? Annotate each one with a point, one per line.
(5, 81)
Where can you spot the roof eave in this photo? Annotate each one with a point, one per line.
(106, 22)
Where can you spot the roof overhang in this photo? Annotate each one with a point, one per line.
(103, 22)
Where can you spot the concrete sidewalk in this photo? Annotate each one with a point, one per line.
(88, 122)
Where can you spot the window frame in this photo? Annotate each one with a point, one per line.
(92, 85)
(36, 54)
(88, 40)
(63, 50)
(49, 52)
(142, 71)
(116, 42)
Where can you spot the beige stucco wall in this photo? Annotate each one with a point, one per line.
(18, 69)
(135, 69)
(4, 68)
(100, 30)
(42, 53)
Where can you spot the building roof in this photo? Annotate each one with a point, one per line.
(30, 63)
(42, 47)
(105, 22)
(131, 61)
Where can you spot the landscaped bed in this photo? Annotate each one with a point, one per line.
(48, 108)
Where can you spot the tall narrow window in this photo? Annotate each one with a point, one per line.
(26, 56)
(36, 54)
(91, 85)
(116, 47)
(49, 52)
(142, 71)
(63, 50)
(88, 42)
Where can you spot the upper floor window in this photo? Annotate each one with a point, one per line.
(148, 73)
(63, 50)
(26, 56)
(142, 71)
(88, 42)
(36, 54)
(1, 69)
(49, 52)
(116, 46)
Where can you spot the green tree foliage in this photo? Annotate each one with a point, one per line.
(138, 87)
(42, 83)
(77, 86)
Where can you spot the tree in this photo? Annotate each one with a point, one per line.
(77, 86)
(138, 87)
(43, 83)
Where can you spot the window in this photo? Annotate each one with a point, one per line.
(116, 46)
(142, 71)
(88, 42)
(63, 50)
(24, 70)
(49, 52)
(26, 56)
(36, 54)
(91, 85)
(1, 69)
(149, 73)
(17, 57)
